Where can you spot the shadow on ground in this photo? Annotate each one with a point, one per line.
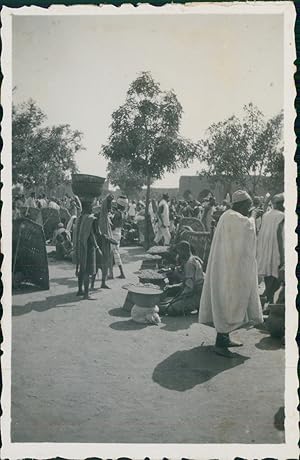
(26, 289)
(185, 369)
(179, 323)
(128, 325)
(43, 305)
(119, 312)
(69, 282)
(279, 419)
(131, 254)
(269, 343)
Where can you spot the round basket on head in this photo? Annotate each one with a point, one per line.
(87, 186)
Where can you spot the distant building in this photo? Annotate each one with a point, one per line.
(200, 186)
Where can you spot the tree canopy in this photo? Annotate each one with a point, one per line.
(41, 155)
(145, 132)
(245, 149)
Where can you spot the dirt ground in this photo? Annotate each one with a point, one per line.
(82, 371)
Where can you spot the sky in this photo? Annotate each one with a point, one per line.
(78, 70)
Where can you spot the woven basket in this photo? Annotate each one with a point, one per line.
(87, 186)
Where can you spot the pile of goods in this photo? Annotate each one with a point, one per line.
(152, 277)
(151, 261)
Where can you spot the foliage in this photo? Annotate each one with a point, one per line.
(244, 150)
(120, 174)
(41, 155)
(145, 132)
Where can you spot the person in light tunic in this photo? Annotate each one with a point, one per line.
(230, 297)
(117, 224)
(270, 253)
(163, 224)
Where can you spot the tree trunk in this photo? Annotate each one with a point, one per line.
(147, 217)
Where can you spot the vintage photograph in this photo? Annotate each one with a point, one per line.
(150, 187)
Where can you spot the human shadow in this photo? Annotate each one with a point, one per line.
(185, 369)
(127, 326)
(279, 419)
(178, 323)
(50, 302)
(269, 343)
(119, 312)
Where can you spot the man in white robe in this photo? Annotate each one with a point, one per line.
(163, 225)
(270, 253)
(230, 297)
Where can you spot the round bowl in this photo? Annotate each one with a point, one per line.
(145, 297)
(87, 186)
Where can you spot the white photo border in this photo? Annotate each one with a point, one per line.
(289, 449)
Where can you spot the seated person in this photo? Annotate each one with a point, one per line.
(62, 242)
(183, 298)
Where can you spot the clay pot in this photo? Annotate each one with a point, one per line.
(276, 320)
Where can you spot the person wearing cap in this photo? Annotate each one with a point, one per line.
(163, 224)
(230, 296)
(270, 252)
(117, 224)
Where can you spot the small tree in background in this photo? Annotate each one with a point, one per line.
(145, 134)
(41, 155)
(244, 150)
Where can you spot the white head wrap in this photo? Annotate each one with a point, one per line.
(240, 195)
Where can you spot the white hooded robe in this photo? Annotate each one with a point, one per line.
(230, 295)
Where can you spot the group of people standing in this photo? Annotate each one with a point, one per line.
(97, 236)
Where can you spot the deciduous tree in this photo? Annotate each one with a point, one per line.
(145, 133)
(41, 155)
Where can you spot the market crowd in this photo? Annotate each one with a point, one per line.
(246, 236)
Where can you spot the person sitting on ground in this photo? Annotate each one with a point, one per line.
(62, 242)
(184, 298)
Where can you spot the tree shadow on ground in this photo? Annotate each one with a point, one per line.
(119, 312)
(60, 300)
(279, 419)
(178, 323)
(127, 325)
(269, 343)
(185, 369)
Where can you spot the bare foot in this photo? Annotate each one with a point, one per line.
(122, 277)
(79, 293)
